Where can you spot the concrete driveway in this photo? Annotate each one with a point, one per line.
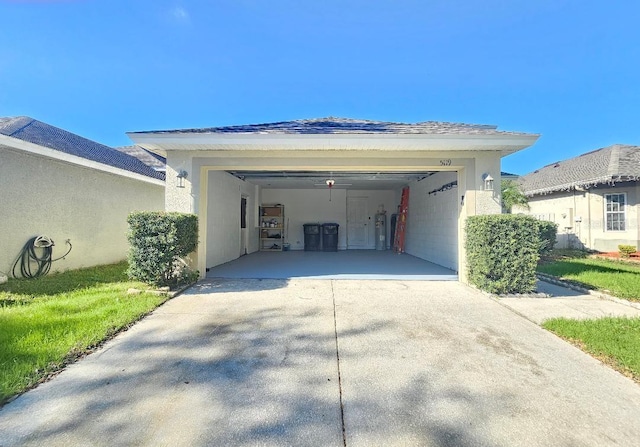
(251, 362)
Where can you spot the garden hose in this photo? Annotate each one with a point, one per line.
(36, 257)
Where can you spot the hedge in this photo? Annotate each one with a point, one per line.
(547, 232)
(502, 252)
(158, 243)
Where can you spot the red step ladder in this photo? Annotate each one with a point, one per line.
(401, 223)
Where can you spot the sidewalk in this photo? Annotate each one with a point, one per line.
(563, 302)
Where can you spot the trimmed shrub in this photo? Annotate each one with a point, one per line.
(547, 232)
(503, 252)
(158, 243)
(626, 250)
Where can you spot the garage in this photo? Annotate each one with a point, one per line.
(333, 171)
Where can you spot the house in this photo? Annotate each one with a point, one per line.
(450, 169)
(150, 159)
(66, 187)
(593, 198)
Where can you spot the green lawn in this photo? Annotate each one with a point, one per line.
(49, 321)
(615, 341)
(617, 278)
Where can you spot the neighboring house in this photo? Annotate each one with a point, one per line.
(509, 176)
(593, 198)
(150, 159)
(218, 172)
(58, 184)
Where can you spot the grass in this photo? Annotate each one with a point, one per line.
(615, 341)
(48, 322)
(617, 278)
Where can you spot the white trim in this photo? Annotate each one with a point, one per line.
(624, 212)
(160, 142)
(16, 143)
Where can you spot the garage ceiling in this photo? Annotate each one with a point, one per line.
(343, 180)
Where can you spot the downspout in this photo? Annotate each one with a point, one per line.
(588, 194)
(577, 226)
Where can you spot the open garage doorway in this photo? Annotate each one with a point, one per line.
(347, 264)
(362, 205)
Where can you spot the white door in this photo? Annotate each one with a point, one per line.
(357, 221)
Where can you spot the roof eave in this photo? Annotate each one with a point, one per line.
(16, 143)
(585, 184)
(160, 143)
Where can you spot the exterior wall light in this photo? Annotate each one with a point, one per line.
(182, 174)
(488, 182)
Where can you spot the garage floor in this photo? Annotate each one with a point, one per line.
(347, 264)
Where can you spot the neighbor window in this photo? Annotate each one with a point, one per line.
(615, 211)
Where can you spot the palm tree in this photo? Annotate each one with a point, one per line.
(512, 195)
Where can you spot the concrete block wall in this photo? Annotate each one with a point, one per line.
(432, 225)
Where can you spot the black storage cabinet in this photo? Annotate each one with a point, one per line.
(392, 238)
(330, 237)
(312, 235)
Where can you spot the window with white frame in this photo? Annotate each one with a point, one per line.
(615, 211)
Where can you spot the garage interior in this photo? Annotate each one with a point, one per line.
(349, 199)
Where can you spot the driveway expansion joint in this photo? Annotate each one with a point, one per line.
(335, 328)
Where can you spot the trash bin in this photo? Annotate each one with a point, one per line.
(330, 237)
(312, 236)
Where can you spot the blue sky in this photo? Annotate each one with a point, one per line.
(567, 69)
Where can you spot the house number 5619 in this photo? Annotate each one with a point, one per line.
(446, 162)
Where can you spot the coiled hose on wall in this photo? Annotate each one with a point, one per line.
(36, 257)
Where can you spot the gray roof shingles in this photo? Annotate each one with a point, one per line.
(37, 132)
(608, 165)
(150, 159)
(332, 125)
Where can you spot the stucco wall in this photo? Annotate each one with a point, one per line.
(41, 196)
(309, 206)
(223, 217)
(432, 221)
(580, 216)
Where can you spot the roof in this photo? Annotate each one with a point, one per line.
(333, 125)
(617, 163)
(150, 159)
(42, 134)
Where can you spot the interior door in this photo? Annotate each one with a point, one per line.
(357, 221)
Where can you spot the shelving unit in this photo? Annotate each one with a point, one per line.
(271, 227)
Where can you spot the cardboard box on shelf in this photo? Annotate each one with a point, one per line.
(271, 210)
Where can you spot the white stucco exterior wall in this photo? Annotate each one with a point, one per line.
(486, 202)
(42, 196)
(580, 216)
(180, 198)
(432, 220)
(223, 237)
